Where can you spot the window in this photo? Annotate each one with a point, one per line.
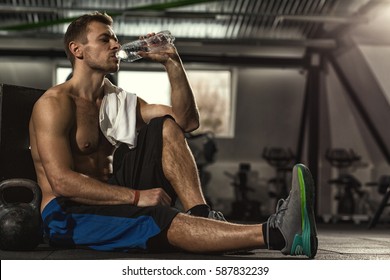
(213, 95)
(151, 86)
(212, 89)
(62, 74)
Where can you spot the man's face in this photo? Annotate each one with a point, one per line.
(100, 50)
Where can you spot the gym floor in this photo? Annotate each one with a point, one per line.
(336, 242)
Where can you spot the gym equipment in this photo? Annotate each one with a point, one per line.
(282, 159)
(341, 158)
(19, 216)
(352, 201)
(347, 185)
(20, 220)
(243, 208)
(16, 105)
(204, 149)
(383, 188)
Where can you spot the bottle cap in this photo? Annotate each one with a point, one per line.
(121, 54)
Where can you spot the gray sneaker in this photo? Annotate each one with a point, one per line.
(294, 216)
(216, 215)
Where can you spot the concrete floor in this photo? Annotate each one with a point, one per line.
(336, 242)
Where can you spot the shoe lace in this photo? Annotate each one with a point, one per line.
(275, 218)
(216, 215)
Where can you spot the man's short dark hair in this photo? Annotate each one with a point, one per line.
(78, 30)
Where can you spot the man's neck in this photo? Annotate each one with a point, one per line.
(89, 86)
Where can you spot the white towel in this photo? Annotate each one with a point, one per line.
(117, 115)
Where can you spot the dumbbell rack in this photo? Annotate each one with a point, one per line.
(343, 159)
(282, 160)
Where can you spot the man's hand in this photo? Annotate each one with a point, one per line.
(153, 197)
(183, 106)
(162, 54)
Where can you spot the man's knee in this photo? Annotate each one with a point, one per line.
(171, 130)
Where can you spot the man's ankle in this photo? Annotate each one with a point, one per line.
(200, 210)
(273, 238)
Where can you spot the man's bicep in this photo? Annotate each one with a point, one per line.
(54, 150)
(146, 112)
(52, 124)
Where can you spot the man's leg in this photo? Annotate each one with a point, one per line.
(201, 235)
(292, 229)
(179, 166)
(162, 159)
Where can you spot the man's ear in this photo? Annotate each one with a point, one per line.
(76, 49)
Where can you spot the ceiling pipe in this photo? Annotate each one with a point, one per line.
(325, 44)
(320, 19)
(6, 9)
(311, 43)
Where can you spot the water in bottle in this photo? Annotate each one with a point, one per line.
(129, 51)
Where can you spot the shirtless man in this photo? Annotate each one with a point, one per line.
(87, 203)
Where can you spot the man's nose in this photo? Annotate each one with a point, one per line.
(116, 45)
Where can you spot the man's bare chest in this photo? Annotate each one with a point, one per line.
(86, 136)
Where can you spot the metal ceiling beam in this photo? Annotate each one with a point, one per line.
(235, 44)
(150, 9)
(361, 107)
(241, 59)
(246, 60)
(7, 9)
(320, 19)
(309, 43)
(363, 11)
(218, 15)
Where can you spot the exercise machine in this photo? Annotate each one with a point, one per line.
(204, 149)
(244, 208)
(352, 201)
(282, 159)
(384, 189)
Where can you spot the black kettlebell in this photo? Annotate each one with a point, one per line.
(20, 221)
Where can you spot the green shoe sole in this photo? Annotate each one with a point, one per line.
(307, 242)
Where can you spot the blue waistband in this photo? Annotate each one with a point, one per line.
(51, 207)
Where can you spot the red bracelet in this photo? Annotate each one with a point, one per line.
(136, 197)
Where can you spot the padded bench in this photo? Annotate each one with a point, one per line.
(16, 105)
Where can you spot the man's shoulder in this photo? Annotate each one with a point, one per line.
(59, 93)
(57, 98)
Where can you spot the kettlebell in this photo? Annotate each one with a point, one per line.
(20, 221)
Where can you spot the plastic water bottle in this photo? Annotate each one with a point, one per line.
(153, 44)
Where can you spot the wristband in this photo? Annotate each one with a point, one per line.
(136, 197)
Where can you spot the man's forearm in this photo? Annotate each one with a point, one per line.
(183, 102)
(84, 189)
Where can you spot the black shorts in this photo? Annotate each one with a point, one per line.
(141, 168)
(118, 227)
